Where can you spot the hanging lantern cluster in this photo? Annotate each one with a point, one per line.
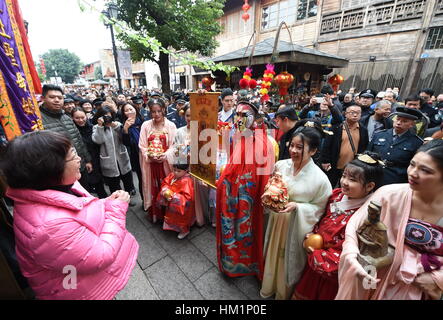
(207, 82)
(335, 81)
(246, 6)
(268, 75)
(247, 81)
(283, 81)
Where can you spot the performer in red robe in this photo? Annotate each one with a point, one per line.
(176, 198)
(360, 178)
(239, 212)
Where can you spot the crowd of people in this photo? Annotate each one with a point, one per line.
(334, 157)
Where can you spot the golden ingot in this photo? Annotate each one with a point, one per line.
(315, 241)
(168, 194)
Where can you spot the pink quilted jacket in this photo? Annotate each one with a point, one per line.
(54, 230)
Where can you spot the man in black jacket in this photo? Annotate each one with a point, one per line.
(55, 119)
(348, 139)
(427, 108)
(285, 118)
(397, 145)
(366, 99)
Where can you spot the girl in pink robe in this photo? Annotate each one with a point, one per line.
(152, 178)
(410, 276)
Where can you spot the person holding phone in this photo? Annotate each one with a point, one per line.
(132, 122)
(114, 157)
(323, 109)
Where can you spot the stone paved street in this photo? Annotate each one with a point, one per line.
(172, 269)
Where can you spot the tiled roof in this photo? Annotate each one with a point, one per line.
(265, 48)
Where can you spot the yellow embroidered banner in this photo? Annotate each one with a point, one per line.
(204, 139)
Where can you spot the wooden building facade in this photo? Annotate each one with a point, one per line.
(298, 54)
(396, 43)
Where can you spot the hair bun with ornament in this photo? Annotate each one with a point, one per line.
(370, 158)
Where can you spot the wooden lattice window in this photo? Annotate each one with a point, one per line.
(435, 38)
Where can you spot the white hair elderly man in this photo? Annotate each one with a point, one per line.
(378, 120)
(392, 97)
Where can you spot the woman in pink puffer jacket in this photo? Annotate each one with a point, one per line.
(69, 244)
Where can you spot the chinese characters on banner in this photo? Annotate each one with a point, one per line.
(19, 111)
(204, 142)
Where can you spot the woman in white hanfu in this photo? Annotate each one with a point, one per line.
(308, 190)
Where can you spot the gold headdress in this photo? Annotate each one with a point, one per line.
(311, 124)
(368, 159)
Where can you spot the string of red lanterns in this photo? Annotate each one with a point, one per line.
(246, 6)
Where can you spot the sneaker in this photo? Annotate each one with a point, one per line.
(182, 235)
(214, 225)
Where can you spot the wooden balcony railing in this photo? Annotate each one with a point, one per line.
(389, 12)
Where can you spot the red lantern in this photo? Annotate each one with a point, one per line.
(207, 82)
(245, 8)
(336, 80)
(284, 81)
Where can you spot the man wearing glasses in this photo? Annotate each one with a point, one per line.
(348, 139)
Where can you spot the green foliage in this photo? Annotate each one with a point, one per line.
(148, 27)
(179, 24)
(62, 63)
(98, 74)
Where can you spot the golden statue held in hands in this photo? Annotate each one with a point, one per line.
(275, 196)
(373, 240)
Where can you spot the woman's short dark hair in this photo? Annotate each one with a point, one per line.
(77, 109)
(35, 160)
(123, 115)
(434, 148)
(367, 172)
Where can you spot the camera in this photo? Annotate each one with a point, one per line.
(107, 119)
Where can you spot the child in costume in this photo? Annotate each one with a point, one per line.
(176, 197)
(361, 177)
